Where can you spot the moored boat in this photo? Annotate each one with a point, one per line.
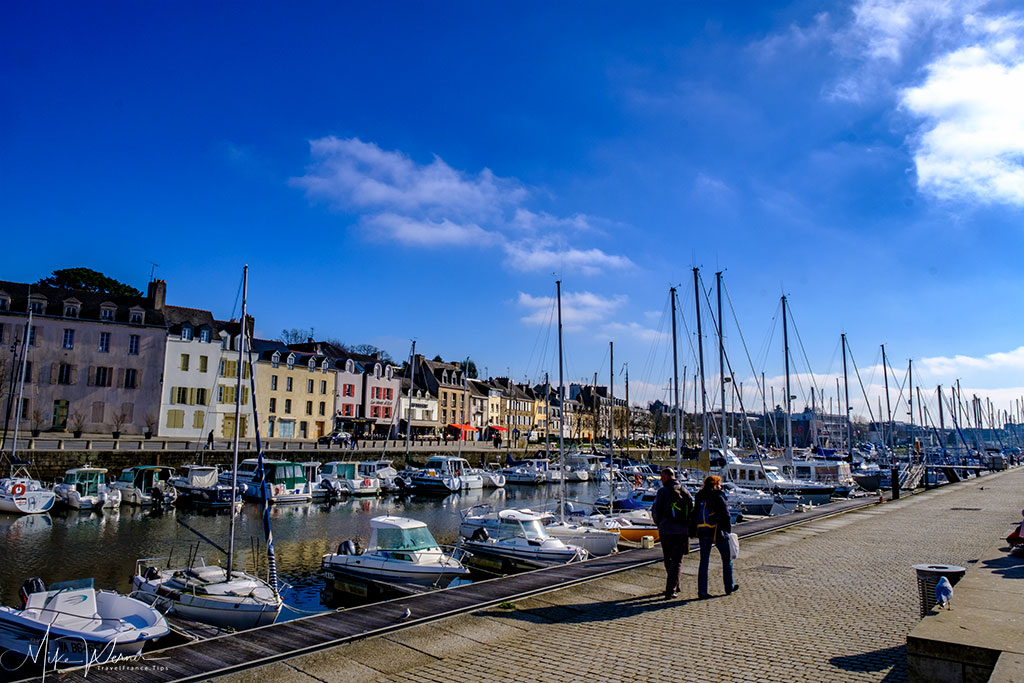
(86, 488)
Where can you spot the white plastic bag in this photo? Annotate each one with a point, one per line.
(734, 545)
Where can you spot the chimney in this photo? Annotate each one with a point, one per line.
(309, 340)
(157, 294)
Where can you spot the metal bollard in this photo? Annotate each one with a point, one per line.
(895, 482)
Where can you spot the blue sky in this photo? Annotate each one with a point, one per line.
(406, 171)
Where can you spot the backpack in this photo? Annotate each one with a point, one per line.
(681, 507)
(705, 517)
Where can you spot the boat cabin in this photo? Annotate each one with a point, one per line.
(400, 536)
(288, 474)
(446, 465)
(86, 480)
(339, 470)
(145, 477)
(520, 524)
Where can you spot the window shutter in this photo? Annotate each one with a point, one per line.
(74, 374)
(120, 377)
(245, 396)
(92, 376)
(191, 396)
(138, 379)
(53, 373)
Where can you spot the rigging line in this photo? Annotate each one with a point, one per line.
(807, 361)
(739, 330)
(647, 369)
(863, 391)
(537, 338)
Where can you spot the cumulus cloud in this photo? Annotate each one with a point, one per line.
(959, 365)
(972, 141)
(636, 331)
(395, 198)
(579, 309)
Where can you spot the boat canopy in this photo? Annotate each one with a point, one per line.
(202, 477)
(339, 470)
(400, 533)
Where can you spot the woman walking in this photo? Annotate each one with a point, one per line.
(712, 526)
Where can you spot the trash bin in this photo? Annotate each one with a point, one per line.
(928, 576)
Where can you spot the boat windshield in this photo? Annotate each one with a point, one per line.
(418, 538)
(511, 528)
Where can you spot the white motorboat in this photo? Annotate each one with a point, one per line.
(632, 525)
(206, 594)
(74, 624)
(343, 478)
(522, 540)
(381, 470)
(400, 551)
(282, 482)
(752, 501)
(23, 495)
(146, 485)
(595, 541)
(757, 475)
(492, 479)
(200, 485)
(85, 488)
(446, 474)
(531, 471)
(572, 473)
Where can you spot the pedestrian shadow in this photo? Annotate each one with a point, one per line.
(1008, 566)
(589, 612)
(876, 660)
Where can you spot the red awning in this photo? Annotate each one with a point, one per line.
(500, 429)
(465, 428)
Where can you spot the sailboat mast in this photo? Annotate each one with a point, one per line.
(611, 424)
(675, 384)
(764, 410)
(789, 392)
(561, 405)
(238, 415)
(700, 361)
(910, 401)
(408, 409)
(888, 408)
(846, 391)
(721, 361)
(20, 405)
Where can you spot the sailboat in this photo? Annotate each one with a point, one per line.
(218, 596)
(19, 492)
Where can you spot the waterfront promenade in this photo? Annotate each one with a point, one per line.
(831, 600)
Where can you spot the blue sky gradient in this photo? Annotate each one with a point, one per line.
(428, 171)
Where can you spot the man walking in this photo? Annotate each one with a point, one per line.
(671, 512)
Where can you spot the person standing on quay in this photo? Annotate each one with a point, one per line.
(671, 512)
(711, 524)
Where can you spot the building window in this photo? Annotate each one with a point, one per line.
(349, 390)
(270, 428)
(133, 345)
(135, 318)
(287, 383)
(388, 393)
(65, 374)
(312, 364)
(375, 411)
(31, 336)
(309, 386)
(273, 382)
(387, 412)
(309, 407)
(323, 386)
(288, 406)
(180, 395)
(286, 430)
(201, 396)
(203, 363)
(204, 335)
(37, 307)
(184, 362)
(348, 410)
(303, 430)
(186, 333)
(105, 342)
(291, 361)
(131, 378)
(70, 311)
(275, 360)
(107, 313)
(28, 372)
(273, 405)
(103, 377)
(4, 303)
(323, 408)
(69, 339)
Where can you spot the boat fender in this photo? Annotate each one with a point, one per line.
(278, 489)
(480, 535)
(18, 489)
(367, 482)
(33, 585)
(347, 547)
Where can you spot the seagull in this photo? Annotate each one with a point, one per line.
(943, 592)
(408, 613)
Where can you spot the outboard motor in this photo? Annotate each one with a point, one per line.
(347, 548)
(33, 585)
(480, 535)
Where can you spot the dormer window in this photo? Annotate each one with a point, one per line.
(204, 334)
(136, 316)
(388, 372)
(291, 361)
(186, 333)
(275, 360)
(350, 366)
(312, 364)
(71, 308)
(107, 311)
(376, 370)
(37, 306)
(444, 377)
(323, 365)
(5, 301)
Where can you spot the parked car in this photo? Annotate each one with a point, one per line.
(334, 438)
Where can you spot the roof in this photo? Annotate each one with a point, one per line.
(90, 303)
(177, 316)
(389, 522)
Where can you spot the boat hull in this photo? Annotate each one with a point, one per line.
(234, 613)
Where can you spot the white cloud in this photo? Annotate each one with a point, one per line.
(636, 331)
(960, 365)
(433, 204)
(389, 226)
(578, 308)
(540, 256)
(972, 142)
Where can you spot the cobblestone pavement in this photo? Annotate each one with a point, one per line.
(831, 600)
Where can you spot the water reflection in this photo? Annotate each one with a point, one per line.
(69, 544)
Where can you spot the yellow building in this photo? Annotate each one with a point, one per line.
(294, 392)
